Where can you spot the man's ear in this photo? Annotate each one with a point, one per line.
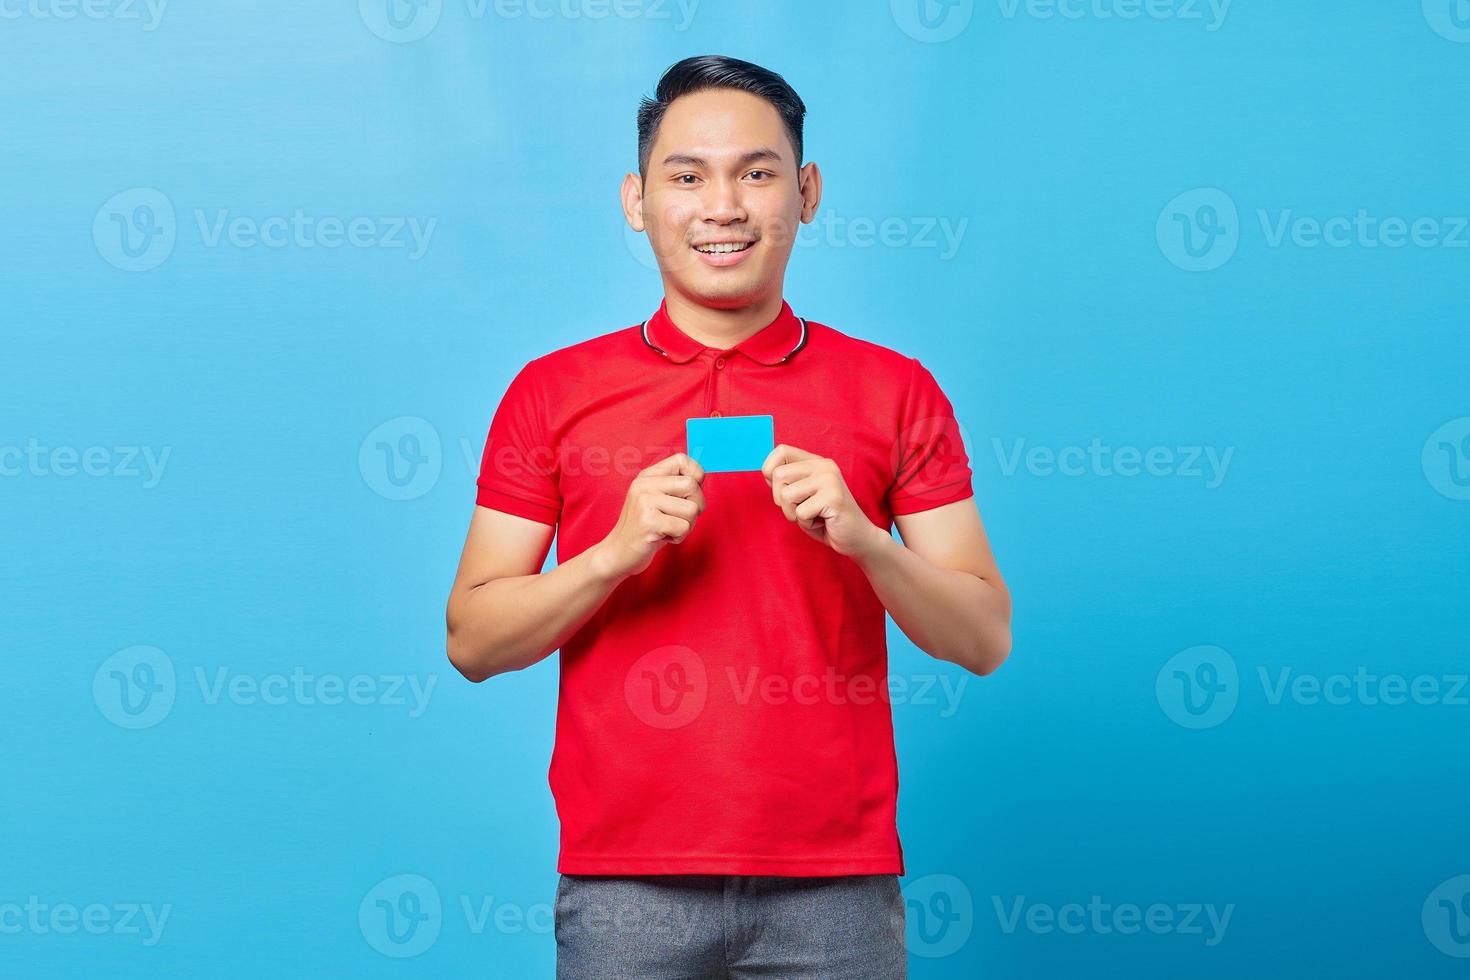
(632, 195)
(810, 182)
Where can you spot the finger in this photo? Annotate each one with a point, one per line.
(674, 484)
(812, 508)
(678, 507)
(791, 472)
(780, 455)
(790, 495)
(673, 528)
(787, 474)
(677, 463)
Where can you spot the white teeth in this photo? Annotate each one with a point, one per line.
(722, 248)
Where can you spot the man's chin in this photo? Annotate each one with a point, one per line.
(712, 291)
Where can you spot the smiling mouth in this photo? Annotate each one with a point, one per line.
(723, 248)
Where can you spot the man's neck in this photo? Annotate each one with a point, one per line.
(721, 329)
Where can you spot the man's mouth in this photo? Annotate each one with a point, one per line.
(722, 248)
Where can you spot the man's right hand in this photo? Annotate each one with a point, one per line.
(660, 508)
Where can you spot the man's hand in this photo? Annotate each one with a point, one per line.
(660, 508)
(810, 490)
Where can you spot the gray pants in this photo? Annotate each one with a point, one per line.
(692, 927)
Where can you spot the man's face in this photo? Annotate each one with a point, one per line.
(722, 198)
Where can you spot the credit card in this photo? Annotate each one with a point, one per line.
(730, 443)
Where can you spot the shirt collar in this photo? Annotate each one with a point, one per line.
(775, 343)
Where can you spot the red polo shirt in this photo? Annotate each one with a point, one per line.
(725, 711)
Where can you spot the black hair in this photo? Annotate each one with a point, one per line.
(717, 71)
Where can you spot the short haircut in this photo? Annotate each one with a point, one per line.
(717, 71)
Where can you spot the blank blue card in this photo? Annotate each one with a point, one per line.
(730, 443)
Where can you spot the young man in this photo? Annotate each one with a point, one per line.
(724, 767)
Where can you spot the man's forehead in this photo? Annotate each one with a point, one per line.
(720, 124)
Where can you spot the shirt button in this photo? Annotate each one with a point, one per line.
(719, 362)
(715, 414)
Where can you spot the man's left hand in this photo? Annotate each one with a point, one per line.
(811, 491)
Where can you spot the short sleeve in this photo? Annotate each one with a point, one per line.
(518, 469)
(932, 467)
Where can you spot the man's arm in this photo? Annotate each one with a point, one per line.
(503, 613)
(942, 586)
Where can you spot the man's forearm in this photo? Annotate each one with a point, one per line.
(510, 623)
(949, 614)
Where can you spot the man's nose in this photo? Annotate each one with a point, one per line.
(723, 203)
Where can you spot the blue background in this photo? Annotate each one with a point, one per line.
(279, 539)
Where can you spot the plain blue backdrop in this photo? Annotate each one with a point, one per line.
(1193, 276)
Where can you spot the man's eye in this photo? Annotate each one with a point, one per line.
(763, 173)
(683, 177)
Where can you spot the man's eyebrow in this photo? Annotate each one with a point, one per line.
(763, 153)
